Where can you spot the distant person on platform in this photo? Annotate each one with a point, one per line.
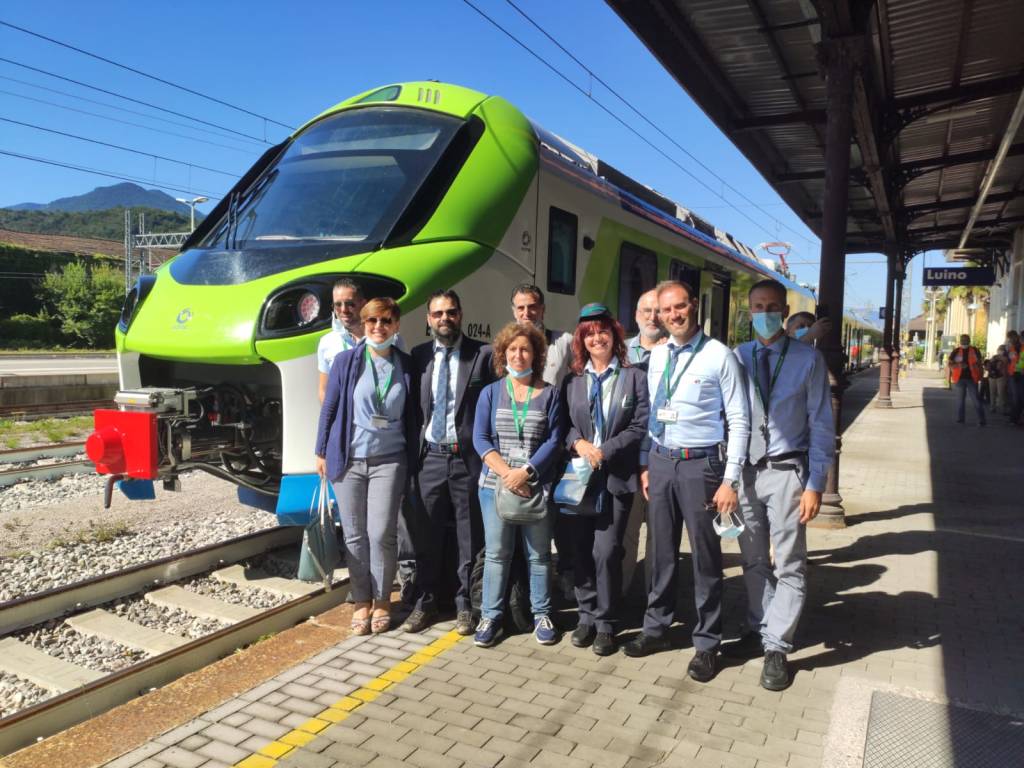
(650, 335)
(805, 327)
(963, 370)
(998, 375)
(792, 443)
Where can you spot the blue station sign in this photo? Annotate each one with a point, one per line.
(939, 276)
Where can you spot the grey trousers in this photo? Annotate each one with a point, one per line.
(369, 495)
(770, 508)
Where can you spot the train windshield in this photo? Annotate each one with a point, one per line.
(346, 179)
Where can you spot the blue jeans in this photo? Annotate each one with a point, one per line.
(962, 389)
(499, 543)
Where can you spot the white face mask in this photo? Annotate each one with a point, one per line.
(519, 374)
(379, 345)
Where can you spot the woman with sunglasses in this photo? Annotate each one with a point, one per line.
(366, 445)
(607, 404)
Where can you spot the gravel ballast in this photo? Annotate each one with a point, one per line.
(16, 693)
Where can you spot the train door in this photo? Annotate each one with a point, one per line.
(638, 273)
(685, 273)
(714, 309)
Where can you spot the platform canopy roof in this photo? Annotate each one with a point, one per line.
(937, 104)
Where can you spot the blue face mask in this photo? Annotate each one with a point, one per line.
(730, 531)
(380, 345)
(799, 333)
(519, 374)
(766, 324)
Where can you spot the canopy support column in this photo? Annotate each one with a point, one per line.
(884, 399)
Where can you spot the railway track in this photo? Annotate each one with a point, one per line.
(37, 411)
(31, 470)
(80, 693)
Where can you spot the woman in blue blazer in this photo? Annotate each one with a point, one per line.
(366, 446)
(607, 405)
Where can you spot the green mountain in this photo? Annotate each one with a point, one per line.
(126, 195)
(105, 225)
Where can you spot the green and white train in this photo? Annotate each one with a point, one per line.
(406, 189)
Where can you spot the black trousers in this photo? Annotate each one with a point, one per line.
(597, 561)
(447, 493)
(680, 492)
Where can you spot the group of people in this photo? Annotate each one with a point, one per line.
(997, 381)
(544, 437)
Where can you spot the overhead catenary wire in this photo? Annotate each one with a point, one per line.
(155, 78)
(133, 100)
(108, 105)
(110, 175)
(760, 225)
(123, 122)
(118, 146)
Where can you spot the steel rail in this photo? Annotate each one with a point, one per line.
(32, 609)
(32, 453)
(45, 471)
(67, 709)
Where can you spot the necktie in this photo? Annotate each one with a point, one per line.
(438, 419)
(656, 427)
(763, 375)
(759, 426)
(597, 400)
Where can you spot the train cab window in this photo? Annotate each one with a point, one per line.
(638, 273)
(563, 229)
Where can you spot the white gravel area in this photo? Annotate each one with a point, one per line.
(68, 540)
(41, 493)
(173, 621)
(16, 694)
(231, 593)
(58, 639)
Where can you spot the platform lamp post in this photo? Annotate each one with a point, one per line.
(929, 352)
(192, 208)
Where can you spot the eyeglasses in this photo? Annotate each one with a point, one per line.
(378, 321)
(437, 314)
(341, 304)
(648, 311)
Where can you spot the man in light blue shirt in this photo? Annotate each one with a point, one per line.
(346, 327)
(693, 380)
(792, 442)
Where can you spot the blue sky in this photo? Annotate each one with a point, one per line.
(289, 63)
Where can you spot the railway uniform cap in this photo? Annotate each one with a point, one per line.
(595, 311)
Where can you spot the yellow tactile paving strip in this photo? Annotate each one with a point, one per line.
(346, 705)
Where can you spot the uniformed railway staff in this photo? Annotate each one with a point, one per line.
(650, 333)
(792, 441)
(692, 381)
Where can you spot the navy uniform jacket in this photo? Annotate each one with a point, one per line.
(474, 372)
(627, 424)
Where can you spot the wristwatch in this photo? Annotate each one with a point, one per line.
(734, 484)
(531, 473)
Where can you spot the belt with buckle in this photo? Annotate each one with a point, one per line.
(685, 454)
(449, 449)
(777, 462)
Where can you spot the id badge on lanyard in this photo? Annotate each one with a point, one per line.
(379, 422)
(667, 415)
(518, 455)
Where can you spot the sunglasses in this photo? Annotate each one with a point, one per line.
(437, 314)
(340, 304)
(378, 321)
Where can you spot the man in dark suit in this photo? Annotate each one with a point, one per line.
(451, 370)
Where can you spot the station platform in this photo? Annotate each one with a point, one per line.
(909, 652)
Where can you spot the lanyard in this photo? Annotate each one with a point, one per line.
(775, 376)
(670, 386)
(380, 394)
(519, 417)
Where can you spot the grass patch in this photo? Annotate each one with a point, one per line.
(52, 430)
(99, 533)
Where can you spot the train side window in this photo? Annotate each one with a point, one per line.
(638, 273)
(563, 228)
(686, 273)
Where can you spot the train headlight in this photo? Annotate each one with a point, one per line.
(134, 300)
(308, 308)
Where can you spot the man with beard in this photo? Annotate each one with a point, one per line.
(452, 370)
(651, 334)
(346, 327)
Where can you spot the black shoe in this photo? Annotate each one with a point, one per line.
(703, 666)
(775, 673)
(746, 647)
(464, 623)
(418, 621)
(583, 635)
(644, 645)
(604, 644)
